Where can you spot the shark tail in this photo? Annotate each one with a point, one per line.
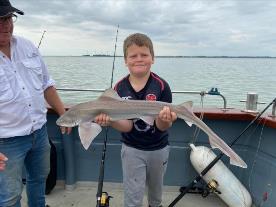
(214, 139)
(235, 159)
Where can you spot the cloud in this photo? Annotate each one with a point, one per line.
(238, 36)
(184, 27)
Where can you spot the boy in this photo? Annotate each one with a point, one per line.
(145, 148)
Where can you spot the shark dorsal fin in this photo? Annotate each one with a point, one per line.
(148, 119)
(188, 104)
(110, 93)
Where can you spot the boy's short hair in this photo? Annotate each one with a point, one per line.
(139, 40)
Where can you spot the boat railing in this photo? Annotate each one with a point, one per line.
(213, 92)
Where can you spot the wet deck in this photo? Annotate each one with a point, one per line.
(85, 195)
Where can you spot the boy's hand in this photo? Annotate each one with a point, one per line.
(103, 119)
(166, 115)
(165, 118)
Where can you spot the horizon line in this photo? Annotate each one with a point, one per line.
(169, 56)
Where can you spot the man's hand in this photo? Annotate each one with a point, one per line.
(3, 159)
(65, 130)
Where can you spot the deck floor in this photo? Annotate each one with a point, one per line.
(85, 195)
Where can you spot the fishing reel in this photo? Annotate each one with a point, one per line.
(104, 200)
(211, 187)
(204, 189)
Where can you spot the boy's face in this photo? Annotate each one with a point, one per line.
(138, 60)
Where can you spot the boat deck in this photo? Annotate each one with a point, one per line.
(83, 196)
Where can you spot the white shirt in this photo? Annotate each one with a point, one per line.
(23, 80)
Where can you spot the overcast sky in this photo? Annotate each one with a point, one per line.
(187, 27)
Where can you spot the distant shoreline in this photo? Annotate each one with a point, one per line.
(215, 57)
(161, 56)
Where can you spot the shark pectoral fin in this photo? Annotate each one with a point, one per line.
(148, 119)
(87, 132)
(189, 123)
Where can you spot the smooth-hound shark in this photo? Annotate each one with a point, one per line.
(116, 108)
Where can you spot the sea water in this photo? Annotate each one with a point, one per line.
(233, 77)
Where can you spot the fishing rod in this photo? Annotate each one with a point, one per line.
(103, 197)
(41, 39)
(203, 172)
(114, 55)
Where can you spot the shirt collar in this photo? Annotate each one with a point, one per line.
(13, 41)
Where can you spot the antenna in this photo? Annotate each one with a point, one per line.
(114, 55)
(41, 39)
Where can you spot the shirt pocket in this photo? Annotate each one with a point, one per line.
(6, 93)
(33, 68)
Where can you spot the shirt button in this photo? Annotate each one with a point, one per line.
(33, 121)
(15, 71)
(23, 88)
(29, 104)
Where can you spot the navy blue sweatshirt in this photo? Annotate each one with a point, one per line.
(143, 136)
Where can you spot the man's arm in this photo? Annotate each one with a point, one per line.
(52, 98)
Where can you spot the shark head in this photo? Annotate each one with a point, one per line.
(68, 120)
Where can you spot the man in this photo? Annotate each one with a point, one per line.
(24, 83)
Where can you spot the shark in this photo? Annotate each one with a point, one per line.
(117, 108)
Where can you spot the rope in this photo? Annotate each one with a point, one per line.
(197, 129)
